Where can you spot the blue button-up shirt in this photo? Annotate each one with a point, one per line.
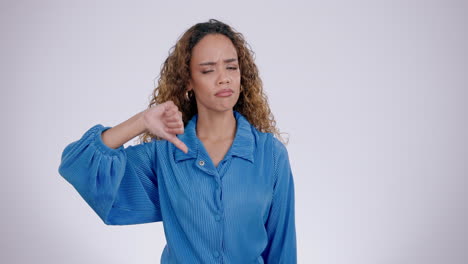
(241, 211)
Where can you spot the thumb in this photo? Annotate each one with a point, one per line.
(178, 143)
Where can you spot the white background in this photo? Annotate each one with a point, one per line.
(373, 95)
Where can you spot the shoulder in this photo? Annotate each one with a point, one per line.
(280, 153)
(262, 140)
(268, 143)
(278, 146)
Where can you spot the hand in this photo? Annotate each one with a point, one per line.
(165, 121)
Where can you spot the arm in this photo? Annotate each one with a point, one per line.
(120, 185)
(122, 133)
(280, 225)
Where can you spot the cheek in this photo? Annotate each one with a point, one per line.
(203, 88)
(200, 82)
(205, 78)
(236, 76)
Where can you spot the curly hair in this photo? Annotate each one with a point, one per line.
(175, 74)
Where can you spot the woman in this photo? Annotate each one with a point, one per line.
(208, 166)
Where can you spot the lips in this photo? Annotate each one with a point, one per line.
(225, 92)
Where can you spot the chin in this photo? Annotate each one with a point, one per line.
(223, 108)
(217, 106)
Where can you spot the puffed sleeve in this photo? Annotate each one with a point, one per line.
(280, 224)
(120, 185)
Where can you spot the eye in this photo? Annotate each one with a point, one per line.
(232, 68)
(205, 72)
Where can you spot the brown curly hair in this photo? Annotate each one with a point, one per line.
(175, 73)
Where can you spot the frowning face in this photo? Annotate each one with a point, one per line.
(215, 74)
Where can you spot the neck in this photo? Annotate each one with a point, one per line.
(216, 126)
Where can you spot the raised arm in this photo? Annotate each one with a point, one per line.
(164, 120)
(119, 183)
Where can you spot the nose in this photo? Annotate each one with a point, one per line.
(224, 78)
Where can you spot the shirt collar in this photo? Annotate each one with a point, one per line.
(242, 145)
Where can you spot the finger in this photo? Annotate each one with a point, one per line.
(171, 111)
(178, 143)
(167, 105)
(172, 119)
(175, 124)
(174, 130)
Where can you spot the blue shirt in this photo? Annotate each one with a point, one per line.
(241, 211)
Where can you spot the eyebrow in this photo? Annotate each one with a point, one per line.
(214, 63)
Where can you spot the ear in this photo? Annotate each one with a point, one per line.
(189, 85)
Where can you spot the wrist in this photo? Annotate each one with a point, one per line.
(141, 121)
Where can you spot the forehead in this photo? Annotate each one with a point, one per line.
(213, 47)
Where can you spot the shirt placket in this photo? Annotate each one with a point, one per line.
(205, 164)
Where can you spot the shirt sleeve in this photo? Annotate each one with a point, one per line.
(120, 185)
(280, 224)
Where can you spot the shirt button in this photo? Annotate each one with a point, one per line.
(218, 218)
(201, 162)
(216, 254)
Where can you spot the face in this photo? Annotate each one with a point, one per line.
(214, 68)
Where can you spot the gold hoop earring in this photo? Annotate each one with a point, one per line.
(187, 96)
